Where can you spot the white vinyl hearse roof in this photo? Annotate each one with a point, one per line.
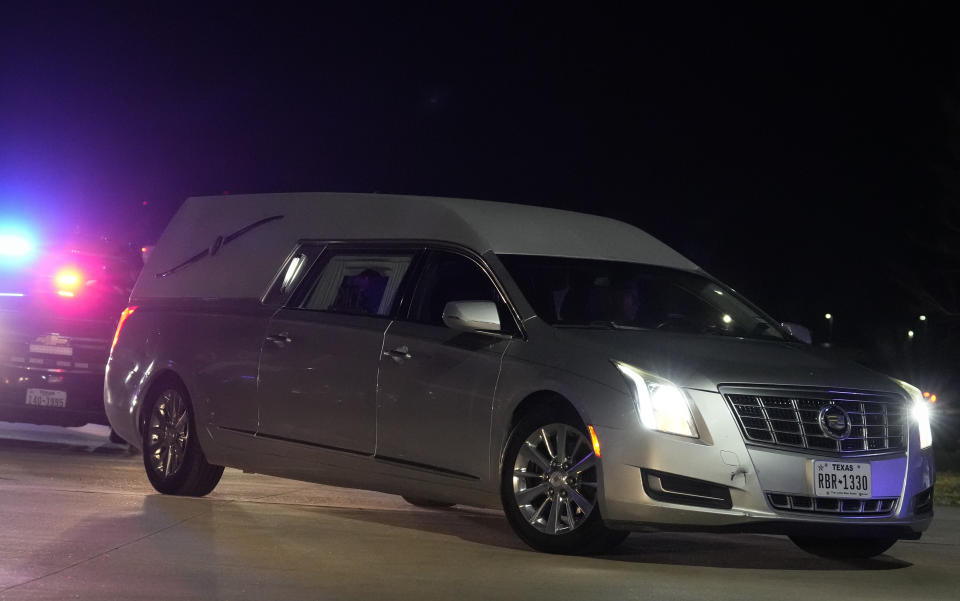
(232, 246)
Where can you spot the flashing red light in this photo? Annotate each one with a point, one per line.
(68, 278)
(926, 395)
(67, 281)
(123, 318)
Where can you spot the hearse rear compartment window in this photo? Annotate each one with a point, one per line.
(360, 284)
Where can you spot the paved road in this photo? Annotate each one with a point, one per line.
(78, 520)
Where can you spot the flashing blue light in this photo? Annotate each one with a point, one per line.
(15, 245)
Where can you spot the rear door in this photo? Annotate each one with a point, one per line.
(233, 341)
(318, 367)
(437, 384)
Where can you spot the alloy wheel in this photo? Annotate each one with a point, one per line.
(555, 479)
(168, 432)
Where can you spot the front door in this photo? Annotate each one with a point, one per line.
(437, 384)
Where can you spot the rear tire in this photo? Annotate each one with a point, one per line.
(843, 548)
(172, 456)
(428, 503)
(549, 487)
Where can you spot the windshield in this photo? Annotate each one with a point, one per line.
(610, 294)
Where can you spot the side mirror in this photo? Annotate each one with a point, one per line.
(798, 331)
(472, 316)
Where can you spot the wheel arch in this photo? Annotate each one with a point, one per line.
(545, 400)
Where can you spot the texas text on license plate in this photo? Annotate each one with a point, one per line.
(38, 397)
(841, 479)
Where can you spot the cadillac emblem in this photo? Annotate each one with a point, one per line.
(835, 422)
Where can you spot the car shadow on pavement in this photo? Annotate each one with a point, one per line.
(741, 551)
(483, 527)
(735, 551)
(91, 447)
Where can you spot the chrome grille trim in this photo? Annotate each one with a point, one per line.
(832, 505)
(789, 419)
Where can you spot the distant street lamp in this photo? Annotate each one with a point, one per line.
(910, 334)
(829, 318)
(923, 318)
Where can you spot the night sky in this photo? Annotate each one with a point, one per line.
(809, 159)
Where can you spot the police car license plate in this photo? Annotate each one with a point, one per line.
(841, 479)
(39, 397)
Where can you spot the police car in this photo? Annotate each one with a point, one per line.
(59, 307)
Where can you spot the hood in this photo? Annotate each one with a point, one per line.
(705, 362)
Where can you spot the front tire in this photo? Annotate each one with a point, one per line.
(843, 548)
(549, 487)
(172, 456)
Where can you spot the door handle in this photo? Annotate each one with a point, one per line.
(280, 339)
(399, 354)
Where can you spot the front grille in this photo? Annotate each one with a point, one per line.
(791, 419)
(839, 506)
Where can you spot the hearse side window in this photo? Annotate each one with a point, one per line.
(292, 274)
(449, 277)
(358, 284)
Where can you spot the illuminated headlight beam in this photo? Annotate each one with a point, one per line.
(920, 412)
(662, 405)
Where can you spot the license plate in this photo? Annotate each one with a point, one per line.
(39, 397)
(49, 349)
(841, 479)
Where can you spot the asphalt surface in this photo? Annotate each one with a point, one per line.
(78, 520)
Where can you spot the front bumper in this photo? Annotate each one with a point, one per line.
(83, 389)
(748, 474)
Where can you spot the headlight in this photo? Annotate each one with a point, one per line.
(921, 413)
(661, 405)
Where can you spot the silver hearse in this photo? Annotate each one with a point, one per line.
(568, 368)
